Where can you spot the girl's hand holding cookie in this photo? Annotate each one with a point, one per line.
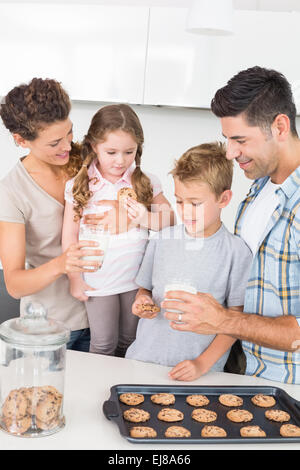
(139, 307)
(137, 212)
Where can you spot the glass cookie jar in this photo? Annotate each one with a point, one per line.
(32, 370)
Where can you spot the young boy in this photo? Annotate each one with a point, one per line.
(200, 252)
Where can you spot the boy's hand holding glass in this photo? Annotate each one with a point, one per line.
(137, 307)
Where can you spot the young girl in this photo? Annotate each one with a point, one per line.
(111, 153)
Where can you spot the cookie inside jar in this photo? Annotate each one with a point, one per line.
(31, 411)
(32, 368)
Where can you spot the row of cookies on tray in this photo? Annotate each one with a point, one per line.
(230, 400)
(202, 415)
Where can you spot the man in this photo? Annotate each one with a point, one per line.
(258, 117)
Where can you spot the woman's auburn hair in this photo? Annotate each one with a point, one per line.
(29, 108)
(109, 119)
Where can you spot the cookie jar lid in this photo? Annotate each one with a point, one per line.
(34, 328)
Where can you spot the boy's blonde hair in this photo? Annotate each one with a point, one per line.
(206, 163)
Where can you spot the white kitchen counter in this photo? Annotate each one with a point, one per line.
(87, 385)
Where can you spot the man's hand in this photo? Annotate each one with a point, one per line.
(202, 313)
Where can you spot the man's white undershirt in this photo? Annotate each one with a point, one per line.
(258, 215)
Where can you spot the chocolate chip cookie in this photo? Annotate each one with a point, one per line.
(177, 431)
(170, 415)
(239, 416)
(264, 401)
(124, 193)
(17, 426)
(252, 431)
(228, 399)
(197, 400)
(131, 398)
(15, 405)
(152, 308)
(48, 407)
(142, 432)
(289, 430)
(277, 415)
(213, 431)
(136, 415)
(204, 416)
(163, 399)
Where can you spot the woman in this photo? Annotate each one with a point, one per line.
(32, 206)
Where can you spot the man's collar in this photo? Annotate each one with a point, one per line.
(288, 187)
(291, 184)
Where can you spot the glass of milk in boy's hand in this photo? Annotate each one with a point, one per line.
(98, 234)
(185, 286)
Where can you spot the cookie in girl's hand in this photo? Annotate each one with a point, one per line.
(124, 193)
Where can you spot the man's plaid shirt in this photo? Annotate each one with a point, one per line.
(274, 284)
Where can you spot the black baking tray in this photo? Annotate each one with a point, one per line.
(113, 410)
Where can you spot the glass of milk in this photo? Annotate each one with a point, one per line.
(98, 234)
(186, 286)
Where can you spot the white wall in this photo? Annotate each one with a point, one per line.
(168, 133)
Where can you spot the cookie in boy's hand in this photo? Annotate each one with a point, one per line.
(151, 308)
(124, 193)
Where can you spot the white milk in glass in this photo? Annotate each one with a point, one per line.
(175, 286)
(97, 234)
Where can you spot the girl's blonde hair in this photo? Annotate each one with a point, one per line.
(109, 119)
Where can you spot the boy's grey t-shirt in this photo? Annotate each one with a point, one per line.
(218, 265)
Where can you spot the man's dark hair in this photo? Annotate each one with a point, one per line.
(261, 94)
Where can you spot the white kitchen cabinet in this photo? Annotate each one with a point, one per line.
(98, 52)
(185, 69)
(139, 55)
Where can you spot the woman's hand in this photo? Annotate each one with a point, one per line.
(137, 309)
(116, 220)
(70, 261)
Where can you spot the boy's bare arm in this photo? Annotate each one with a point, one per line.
(218, 346)
(192, 369)
(143, 291)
